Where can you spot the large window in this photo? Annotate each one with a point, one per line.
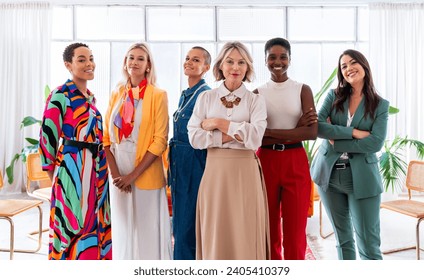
(172, 30)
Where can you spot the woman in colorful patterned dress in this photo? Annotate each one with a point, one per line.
(136, 134)
(71, 153)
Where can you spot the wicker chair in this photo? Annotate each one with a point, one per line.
(12, 207)
(43, 190)
(36, 174)
(410, 207)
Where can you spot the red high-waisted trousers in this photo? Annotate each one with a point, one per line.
(288, 184)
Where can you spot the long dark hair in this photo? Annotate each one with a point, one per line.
(344, 89)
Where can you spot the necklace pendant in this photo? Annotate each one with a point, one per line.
(230, 104)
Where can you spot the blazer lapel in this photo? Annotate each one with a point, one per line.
(359, 114)
(340, 118)
(146, 121)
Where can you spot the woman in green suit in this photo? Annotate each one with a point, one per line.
(353, 123)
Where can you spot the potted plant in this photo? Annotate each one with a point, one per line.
(32, 146)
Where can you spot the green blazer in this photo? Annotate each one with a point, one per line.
(363, 160)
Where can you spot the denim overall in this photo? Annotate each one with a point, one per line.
(186, 166)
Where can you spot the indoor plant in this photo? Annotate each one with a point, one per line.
(392, 164)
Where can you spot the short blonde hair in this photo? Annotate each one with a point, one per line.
(151, 75)
(223, 54)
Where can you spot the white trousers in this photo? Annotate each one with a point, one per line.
(141, 228)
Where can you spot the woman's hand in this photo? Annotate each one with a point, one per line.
(308, 118)
(221, 125)
(360, 134)
(330, 140)
(267, 132)
(226, 138)
(209, 124)
(123, 183)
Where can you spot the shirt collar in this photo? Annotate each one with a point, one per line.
(190, 91)
(74, 90)
(223, 91)
(273, 84)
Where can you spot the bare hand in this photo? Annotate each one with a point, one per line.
(226, 138)
(360, 134)
(209, 124)
(123, 183)
(331, 141)
(308, 118)
(267, 132)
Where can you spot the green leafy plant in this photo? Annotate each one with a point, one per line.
(392, 164)
(31, 147)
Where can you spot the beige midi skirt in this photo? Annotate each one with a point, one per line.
(232, 209)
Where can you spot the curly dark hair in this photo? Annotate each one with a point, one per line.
(69, 51)
(277, 42)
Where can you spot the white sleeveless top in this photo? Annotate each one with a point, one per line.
(283, 103)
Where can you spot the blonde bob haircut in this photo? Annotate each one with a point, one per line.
(223, 54)
(151, 74)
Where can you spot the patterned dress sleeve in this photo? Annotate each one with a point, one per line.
(51, 129)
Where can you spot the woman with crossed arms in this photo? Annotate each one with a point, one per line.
(229, 121)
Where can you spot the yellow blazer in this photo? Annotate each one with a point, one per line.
(153, 135)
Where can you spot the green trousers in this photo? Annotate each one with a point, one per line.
(348, 215)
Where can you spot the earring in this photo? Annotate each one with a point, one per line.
(148, 70)
(125, 67)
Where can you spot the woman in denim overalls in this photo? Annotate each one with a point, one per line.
(186, 164)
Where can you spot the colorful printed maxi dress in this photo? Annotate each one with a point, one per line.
(80, 225)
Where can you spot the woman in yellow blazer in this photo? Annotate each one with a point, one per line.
(353, 122)
(136, 135)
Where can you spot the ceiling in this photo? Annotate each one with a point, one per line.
(214, 2)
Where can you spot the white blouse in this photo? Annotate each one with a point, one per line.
(349, 122)
(283, 103)
(247, 119)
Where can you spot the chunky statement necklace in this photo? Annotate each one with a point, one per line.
(230, 104)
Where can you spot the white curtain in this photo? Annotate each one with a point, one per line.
(24, 71)
(397, 59)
